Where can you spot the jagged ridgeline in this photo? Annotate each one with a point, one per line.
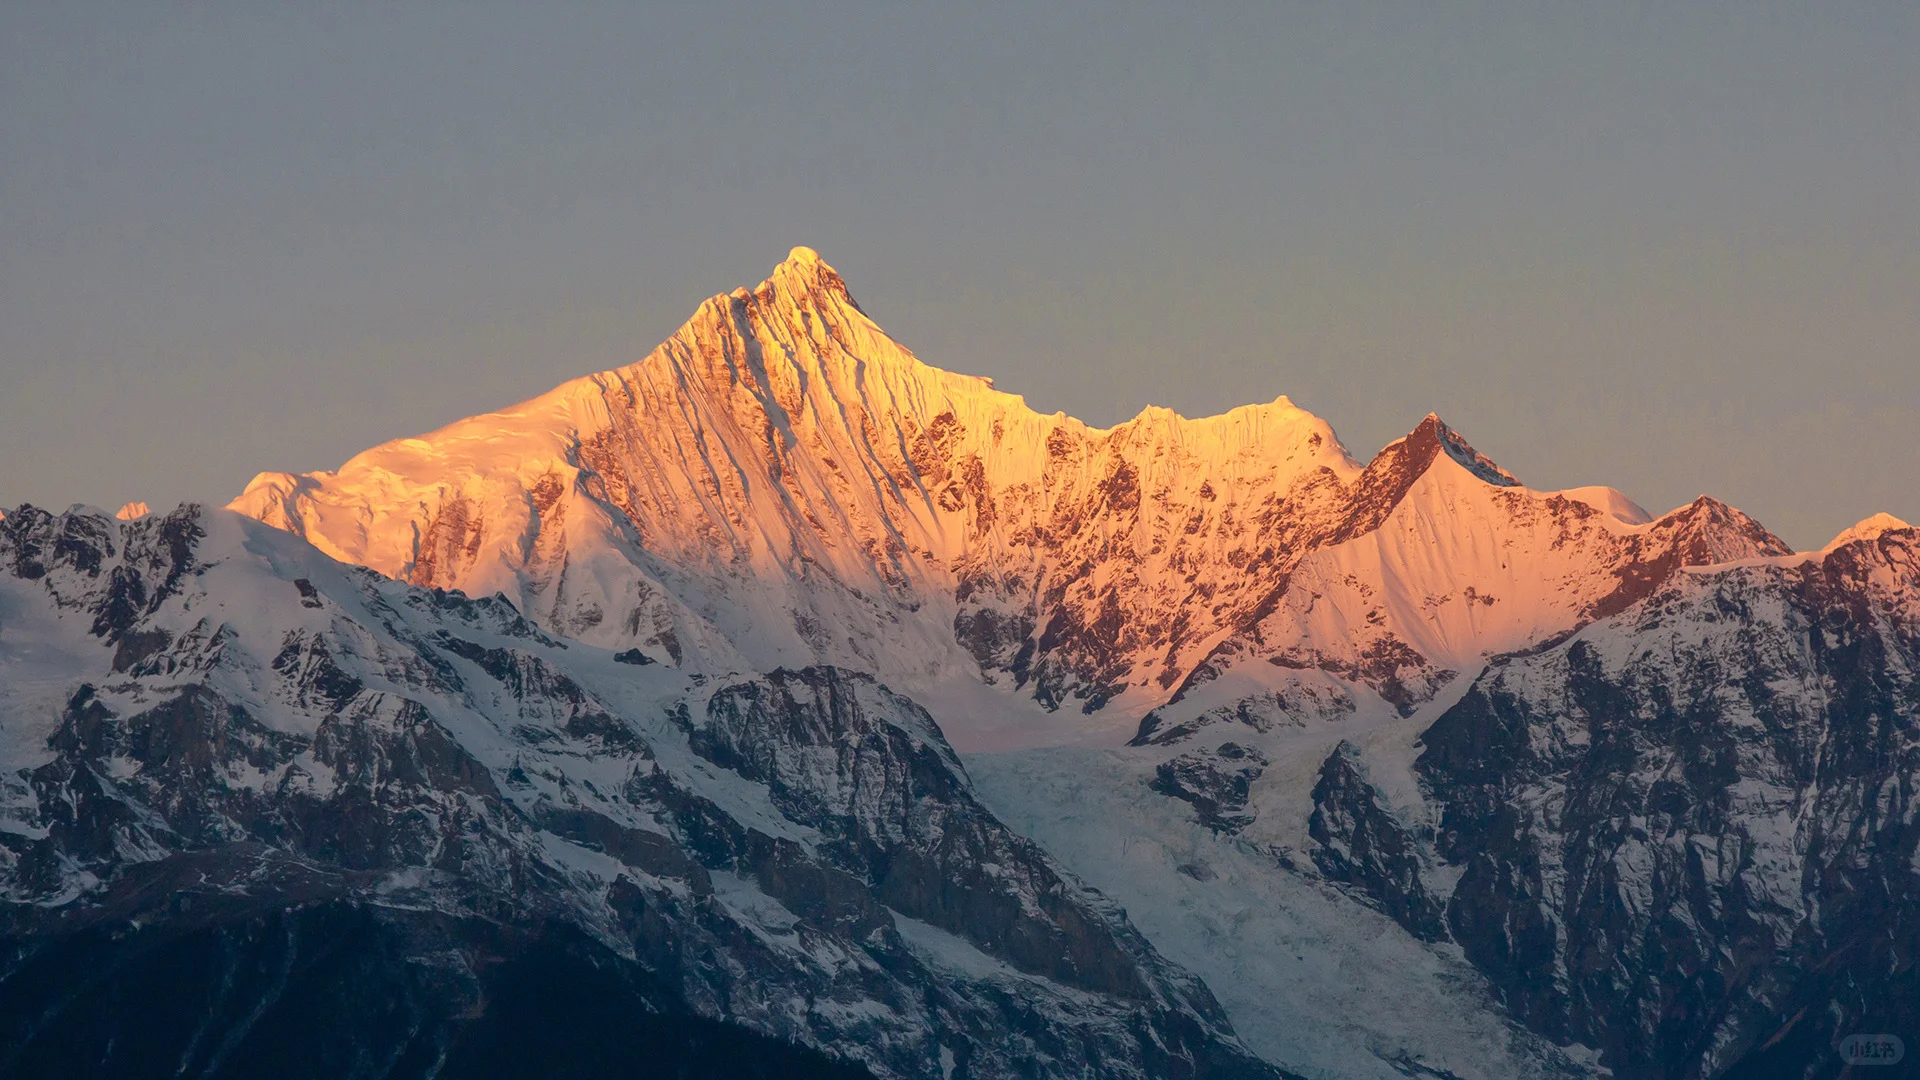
(781, 483)
(627, 724)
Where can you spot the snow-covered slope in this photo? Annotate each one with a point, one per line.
(1459, 570)
(1869, 528)
(1314, 981)
(347, 805)
(782, 483)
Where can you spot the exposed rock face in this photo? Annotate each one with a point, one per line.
(340, 789)
(1362, 843)
(1217, 782)
(1686, 835)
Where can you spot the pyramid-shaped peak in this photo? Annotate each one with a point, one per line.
(1434, 432)
(1713, 531)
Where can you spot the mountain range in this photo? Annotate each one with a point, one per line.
(780, 704)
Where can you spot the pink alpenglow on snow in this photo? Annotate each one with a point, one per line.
(781, 483)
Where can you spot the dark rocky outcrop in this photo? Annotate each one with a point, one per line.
(1218, 782)
(1362, 843)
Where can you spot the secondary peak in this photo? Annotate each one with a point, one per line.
(1432, 430)
(1868, 529)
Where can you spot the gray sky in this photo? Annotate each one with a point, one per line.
(1674, 251)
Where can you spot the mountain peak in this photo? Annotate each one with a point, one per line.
(1869, 528)
(1711, 531)
(1433, 433)
(803, 273)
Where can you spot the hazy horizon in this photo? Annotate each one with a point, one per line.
(1670, 252)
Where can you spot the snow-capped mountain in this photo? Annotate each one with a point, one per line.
(782, 483)
(1397, 768)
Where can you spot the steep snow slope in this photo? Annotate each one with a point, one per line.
(781, 483)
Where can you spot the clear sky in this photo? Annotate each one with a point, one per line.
(1672, 248)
